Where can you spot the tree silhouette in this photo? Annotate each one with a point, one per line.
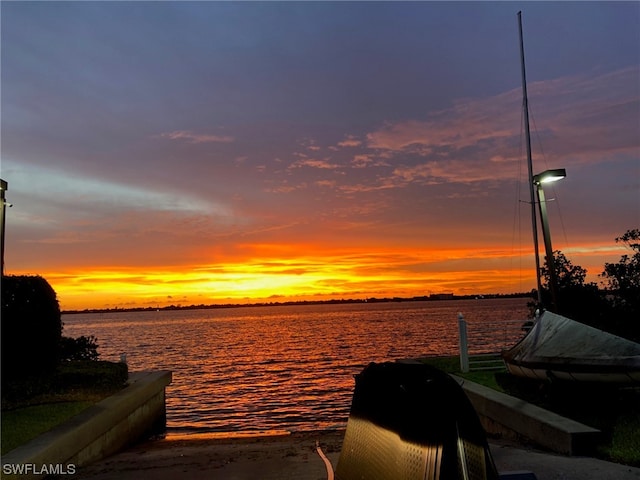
(575, 299)
(616, 308)
(623, 285)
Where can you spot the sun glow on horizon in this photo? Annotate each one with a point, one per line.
(232, 183)
(333, 275)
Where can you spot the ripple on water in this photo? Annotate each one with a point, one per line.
(273, 368)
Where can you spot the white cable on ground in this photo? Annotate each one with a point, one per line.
(326, 461)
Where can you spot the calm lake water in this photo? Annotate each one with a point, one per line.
(278, 368)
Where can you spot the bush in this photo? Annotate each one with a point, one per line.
(81, 348)
(31, 327)
(70, 381)
(90, 374)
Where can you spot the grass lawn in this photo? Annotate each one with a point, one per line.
(614, 411)
(32, 406)
(24, 424)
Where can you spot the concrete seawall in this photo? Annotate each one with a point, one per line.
(512, 417)
(503, 414)
(136, 411)
(139, 410)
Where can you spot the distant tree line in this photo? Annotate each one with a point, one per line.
(615, 307)
(421, 298)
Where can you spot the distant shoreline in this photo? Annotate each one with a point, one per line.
(424, 298)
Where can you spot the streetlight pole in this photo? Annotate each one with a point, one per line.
(4, 186)
(548, 176)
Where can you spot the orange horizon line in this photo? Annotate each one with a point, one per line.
(283, 302)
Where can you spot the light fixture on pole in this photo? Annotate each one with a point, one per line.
(548, 176)
(4, 186)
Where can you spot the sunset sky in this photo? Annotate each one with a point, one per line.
(213, 152)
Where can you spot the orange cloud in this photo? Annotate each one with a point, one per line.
(350, 141)
(197, 137)
(584, 118)
(313, 163)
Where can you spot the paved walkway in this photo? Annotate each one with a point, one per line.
(295, 457)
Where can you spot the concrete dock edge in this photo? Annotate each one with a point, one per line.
(503, 414)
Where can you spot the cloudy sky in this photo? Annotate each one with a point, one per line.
(193, 153)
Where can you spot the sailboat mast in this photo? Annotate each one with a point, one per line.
(525, 106)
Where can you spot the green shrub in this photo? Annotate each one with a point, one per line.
(90, 373)
(31, 327)
(81, 348)
(71, 381)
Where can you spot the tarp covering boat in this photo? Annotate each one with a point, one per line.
(412, 421)
(557, 347)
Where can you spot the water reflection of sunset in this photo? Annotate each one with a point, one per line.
(281, 367)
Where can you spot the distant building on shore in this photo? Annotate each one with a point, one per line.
(441, 296)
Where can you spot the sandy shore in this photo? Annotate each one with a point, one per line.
(286, 456)
(294, 456)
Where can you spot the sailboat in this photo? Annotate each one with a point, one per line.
(557, 347)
